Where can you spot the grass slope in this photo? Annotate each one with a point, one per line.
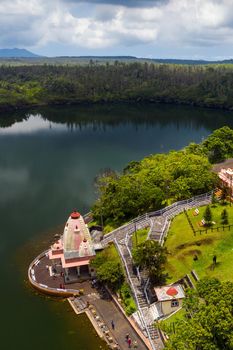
(183, 245)
(139, 237)
(124, 291)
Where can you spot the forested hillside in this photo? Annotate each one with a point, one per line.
(210, 86)
(207, 323)
(161, 179)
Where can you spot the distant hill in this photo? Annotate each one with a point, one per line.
(12, 53)
(187, 61)
(144, 59)
(101, 57)
(22, 56)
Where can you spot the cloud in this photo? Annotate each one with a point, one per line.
(126, 3)
(107, 24)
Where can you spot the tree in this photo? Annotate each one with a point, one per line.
(151, 256)
(208, 216)
(211, 321)
(224, 217)
(146, 185)
(108, 268)
(214, 200)
(224, 194)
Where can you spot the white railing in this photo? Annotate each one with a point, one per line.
(145, 290)
(144, 220)
(35, 283)
(151, 226)
(180, 206)
(135, 295)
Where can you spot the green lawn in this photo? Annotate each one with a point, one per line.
(139, 237)
(168, 325)
(183, 245)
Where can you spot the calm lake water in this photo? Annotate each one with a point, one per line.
(48, 161)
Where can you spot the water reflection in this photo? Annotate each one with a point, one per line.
(105, 116)
(49, 158)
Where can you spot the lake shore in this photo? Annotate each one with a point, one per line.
(138, 101)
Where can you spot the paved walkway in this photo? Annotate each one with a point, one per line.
(106, 308)
(109, 312)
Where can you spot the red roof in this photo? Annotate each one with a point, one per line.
(75, 215)
(172, 291)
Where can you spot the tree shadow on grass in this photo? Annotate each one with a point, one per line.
(213, 266)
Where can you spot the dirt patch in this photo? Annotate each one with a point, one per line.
(204, 241)
(207, 240)
(192, 252)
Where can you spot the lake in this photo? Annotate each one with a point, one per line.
(49, 159)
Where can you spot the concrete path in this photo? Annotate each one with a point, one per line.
(109, 312)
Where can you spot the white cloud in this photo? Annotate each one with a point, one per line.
(106, 24)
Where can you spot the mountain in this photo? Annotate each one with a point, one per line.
(12, 53)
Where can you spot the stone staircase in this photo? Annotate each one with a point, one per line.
(148, 313)
(157, 227)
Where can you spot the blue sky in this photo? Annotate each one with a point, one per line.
(144, 28)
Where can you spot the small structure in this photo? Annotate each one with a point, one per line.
(170, 298)
(226, 177)
(74, 250)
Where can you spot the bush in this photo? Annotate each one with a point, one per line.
(127, 299)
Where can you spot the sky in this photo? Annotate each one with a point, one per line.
(194, 29)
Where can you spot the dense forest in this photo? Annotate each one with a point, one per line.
(161, 179)
(208, 320)
(207, 85)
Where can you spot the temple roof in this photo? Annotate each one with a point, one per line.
(76, 238)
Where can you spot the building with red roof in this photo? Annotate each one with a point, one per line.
(170, 298)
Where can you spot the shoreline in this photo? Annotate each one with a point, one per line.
(137, 101)
(94, 310)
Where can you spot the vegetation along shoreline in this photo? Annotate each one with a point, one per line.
(137, 259)
(42, 85)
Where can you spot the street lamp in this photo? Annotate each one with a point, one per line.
(136, 234)
(101, 214)
(231, 190)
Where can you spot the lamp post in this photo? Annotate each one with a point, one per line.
(231, 190)
(136, 234)
(102, 220)
(101, 215)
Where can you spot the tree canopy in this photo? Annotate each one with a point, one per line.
(136, 81)
(208, 216)
(149, 184)
(210, 326)
(159, 179)
(219, 145)
(109, 268)
(151, 256)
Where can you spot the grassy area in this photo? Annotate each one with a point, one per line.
(127, 299)
(124, 290)
(183, 245)
(139, 237)
(168, 324)
(112, 253)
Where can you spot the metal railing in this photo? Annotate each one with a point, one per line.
(140, 313)
(41, 286)
(144, 220)
(145, 290)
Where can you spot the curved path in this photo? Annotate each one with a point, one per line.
(106, 308)
(158, 222)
